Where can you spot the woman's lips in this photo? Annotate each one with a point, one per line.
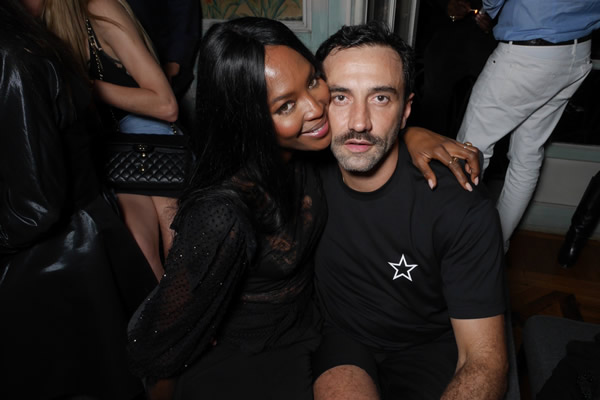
(319, 131)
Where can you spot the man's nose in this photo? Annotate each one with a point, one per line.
(359, 119)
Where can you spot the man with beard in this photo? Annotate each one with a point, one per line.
(410, 280)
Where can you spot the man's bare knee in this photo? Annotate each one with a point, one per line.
(345, 382)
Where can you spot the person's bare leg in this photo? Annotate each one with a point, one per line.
(166, 207)
(141, 219)
(345, 382)
(163, 389)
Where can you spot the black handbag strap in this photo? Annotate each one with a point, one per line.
(94, 46)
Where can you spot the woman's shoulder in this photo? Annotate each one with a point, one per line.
(213, 210)
(213, 221)
(104, 8)
(112, 15)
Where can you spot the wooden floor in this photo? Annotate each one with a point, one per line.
(538, 285)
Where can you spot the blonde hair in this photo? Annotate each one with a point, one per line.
(66, 19)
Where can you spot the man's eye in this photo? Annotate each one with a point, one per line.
(339, 97)
(381, 98)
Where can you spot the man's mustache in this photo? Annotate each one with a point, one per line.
(363, 135)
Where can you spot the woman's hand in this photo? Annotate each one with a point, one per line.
(425, 145)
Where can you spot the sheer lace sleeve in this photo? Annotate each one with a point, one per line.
(177, 322)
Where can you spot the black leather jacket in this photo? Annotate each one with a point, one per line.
(70, 272)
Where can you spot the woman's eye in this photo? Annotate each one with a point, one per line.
(286, 108)
(313, 83)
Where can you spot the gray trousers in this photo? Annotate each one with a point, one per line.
(522, 90)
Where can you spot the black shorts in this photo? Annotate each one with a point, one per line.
(419, 372)
(226, 373)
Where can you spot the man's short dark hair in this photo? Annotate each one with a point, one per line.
(373, 33)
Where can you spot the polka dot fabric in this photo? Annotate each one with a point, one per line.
(227, 283)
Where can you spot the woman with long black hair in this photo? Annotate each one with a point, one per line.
(239, 273)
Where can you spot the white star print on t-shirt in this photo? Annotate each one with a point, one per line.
(403, 269)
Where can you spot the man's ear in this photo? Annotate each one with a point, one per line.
(407, 110)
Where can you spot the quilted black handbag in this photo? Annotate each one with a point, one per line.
(143, 162)
(147, 162)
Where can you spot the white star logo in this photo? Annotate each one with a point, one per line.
(401, 268)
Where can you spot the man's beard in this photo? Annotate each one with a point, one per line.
(361, 162)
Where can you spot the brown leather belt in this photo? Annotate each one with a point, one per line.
(543, 42)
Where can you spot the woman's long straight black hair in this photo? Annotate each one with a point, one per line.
(235, 132)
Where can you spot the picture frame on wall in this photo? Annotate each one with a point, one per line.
(296, 14)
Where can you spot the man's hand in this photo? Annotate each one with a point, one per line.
(458, 9)
(484, 22)
(425, 145)
(481, 371)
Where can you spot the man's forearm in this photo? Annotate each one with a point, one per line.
(477, 381)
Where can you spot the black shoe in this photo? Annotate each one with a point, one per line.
(583, 223)
(570, 249)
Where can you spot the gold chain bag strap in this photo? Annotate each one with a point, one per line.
(143, 163)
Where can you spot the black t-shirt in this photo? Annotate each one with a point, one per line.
(393, 265)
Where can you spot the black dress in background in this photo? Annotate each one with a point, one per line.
(70, 272)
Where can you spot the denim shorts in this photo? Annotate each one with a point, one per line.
(133, 123)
